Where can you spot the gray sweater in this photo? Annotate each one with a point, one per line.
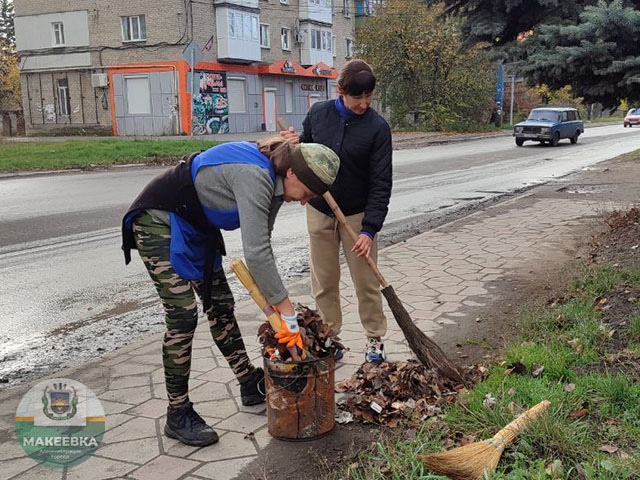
(248, 189)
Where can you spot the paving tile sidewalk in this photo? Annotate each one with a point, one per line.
(442, 277)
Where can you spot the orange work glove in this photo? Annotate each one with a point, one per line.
(289, 333)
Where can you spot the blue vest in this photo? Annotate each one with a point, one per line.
(189, 245)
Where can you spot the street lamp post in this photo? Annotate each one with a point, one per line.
(513, 85)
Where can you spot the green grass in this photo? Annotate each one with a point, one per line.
(590, 409)
(15, 156)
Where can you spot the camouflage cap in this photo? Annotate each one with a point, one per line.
(315, 165)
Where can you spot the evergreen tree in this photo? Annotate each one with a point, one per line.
(7, 30)
(599, 56)
(500, 21)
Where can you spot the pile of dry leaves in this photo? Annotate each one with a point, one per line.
(318, 340)
(394, 393)
(390, 394)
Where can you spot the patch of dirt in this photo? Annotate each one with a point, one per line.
(611, 238)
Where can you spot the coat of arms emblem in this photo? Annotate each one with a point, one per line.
(59, 401)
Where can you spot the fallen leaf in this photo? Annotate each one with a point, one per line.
(579, 413)
(517, 367)
(489, 400)
(569, 387)
(554, 469)
(536, 369)
(609, 448)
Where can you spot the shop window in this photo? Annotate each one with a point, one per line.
(237, 92)
(64, 101)
(288, 96)
(138, 94)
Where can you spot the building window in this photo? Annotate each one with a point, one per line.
(321, 40)
(288, 96)
(243, 26)
(264, 36)
(345, 8)
(133, 28)
(64, 101)
(58, 34)
(237, 92)
(333, 45)
(285, 33)
(138, 94)
(348, 48)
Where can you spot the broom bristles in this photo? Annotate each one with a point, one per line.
(427, 351)
(464, 463)
(470, 461)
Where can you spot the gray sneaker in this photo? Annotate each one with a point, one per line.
(185, 425)
(374, 352)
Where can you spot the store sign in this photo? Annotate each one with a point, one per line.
(322, 71)
(309, 87)
(287, 67)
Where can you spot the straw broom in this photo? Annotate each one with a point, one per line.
(471, 461)
(427, 351)
(245, 277)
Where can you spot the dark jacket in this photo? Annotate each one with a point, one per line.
(363, 144)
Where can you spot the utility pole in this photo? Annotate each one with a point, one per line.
(513, 87)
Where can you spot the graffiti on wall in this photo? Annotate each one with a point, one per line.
(210, 104)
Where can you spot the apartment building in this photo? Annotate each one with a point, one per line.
(178, 67)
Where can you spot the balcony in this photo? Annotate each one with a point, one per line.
(239, 3)
(315, 44)
(316, 10)
(238, 33)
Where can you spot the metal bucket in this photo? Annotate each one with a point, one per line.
(300, 398)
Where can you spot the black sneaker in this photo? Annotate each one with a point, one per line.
(185, 425)
(253, 392)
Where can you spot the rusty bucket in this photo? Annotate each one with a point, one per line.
(300, 398)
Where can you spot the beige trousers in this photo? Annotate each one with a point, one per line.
(325, 237)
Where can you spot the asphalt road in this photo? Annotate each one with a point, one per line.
(68, 295)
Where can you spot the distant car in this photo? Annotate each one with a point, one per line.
(632, 118)
(549, 124)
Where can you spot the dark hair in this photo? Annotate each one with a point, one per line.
(356, 78)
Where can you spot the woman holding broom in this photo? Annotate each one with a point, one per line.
(175, 225)
(362, 140)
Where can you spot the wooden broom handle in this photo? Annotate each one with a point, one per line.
(511, 431)
(354, 236)
(245, 277)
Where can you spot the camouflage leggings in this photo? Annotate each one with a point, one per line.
(181, 311)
